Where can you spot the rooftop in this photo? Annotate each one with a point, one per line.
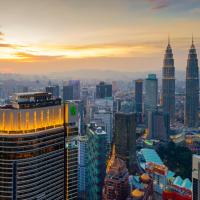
(150, 155)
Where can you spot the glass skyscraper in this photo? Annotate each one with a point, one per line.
(32, 148)
(168, 84)
(192, 90)
(125, 138)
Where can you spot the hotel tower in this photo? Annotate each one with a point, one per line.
(33, 148)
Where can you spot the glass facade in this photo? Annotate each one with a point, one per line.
(31, 165)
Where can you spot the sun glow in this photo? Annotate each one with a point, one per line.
(46, 52)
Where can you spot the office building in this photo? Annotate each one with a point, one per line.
(158, 125)
(32, 148)
(139, 100)
(82, 166)
(168, 84)
(54, 90)
(125, 138)
(151, 93)
(71, 126)
(192, 90)
(104, 119)
(71, 91)
(196, 177)
(103, 90)
(139, 96)
(96, 161)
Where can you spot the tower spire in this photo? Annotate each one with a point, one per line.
(192, 39)
(168, 39)
(192, 46)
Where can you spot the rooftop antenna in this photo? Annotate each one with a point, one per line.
(192, 39)
(168, 39)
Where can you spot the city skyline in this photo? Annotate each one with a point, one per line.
(43, 37)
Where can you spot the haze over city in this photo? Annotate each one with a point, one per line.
(42, 37)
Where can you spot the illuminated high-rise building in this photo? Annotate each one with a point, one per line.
(192, 89)
(71, 149)
(168, 83)
(32, 148)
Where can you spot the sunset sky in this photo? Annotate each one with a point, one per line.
(42, 36)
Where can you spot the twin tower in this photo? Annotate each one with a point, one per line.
(191, 118)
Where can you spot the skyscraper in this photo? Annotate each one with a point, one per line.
(82, 166)
(96, 163)
(104, 119)
(192, 89)
(151, 93)
(32, 148)
(138, 95)
(71, 149)
(158, 125)
(103, 90)
(125, 138)
(196, 177)
(71, 91)
(54, 90)
(168, 83)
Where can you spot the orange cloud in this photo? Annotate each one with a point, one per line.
(27, 57)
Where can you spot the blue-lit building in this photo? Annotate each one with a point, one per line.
(97, 152)
(151, 93)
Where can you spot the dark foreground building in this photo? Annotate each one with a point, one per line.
(116, 185)
(125, 138)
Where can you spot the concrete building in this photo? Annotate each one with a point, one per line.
(116, 185)
(158, 125)
(196, 177)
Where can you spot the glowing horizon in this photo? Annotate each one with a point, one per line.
(120, 35)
